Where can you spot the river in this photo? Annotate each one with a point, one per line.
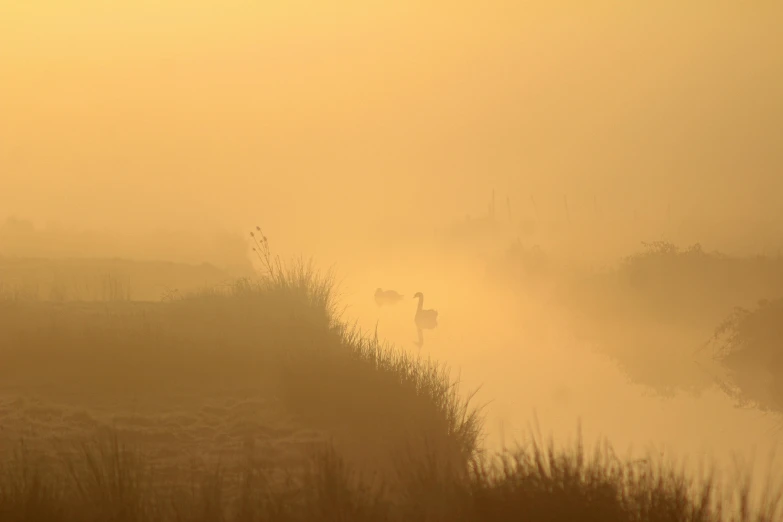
(532, 370)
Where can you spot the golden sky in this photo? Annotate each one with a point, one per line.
(348, 114)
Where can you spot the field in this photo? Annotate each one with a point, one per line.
(99, 279)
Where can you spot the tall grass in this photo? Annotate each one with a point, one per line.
(106, 481)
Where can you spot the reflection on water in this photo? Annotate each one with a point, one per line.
(529, 365)
(420, 340)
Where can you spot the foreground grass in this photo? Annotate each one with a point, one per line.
(107, 481)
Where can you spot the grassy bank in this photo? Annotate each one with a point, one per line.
(267, 362)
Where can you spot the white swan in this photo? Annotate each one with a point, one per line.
(427, 319)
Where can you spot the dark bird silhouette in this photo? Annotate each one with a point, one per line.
(387, 297)
(425, 319)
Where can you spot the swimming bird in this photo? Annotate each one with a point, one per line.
(425, 318)
(387, 297)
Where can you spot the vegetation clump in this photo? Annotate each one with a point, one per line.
(749, 344)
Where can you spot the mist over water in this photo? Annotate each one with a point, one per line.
(535, 373)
